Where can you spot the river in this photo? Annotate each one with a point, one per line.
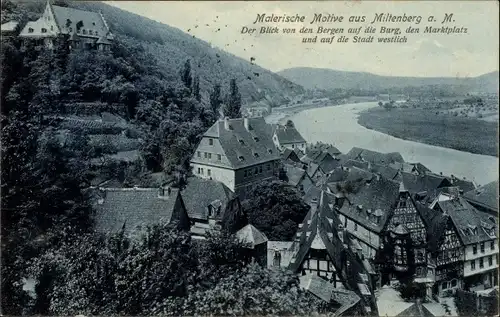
(338, 125)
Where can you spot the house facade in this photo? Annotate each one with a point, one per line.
(237, 152)
(85, 29)
(287, 137)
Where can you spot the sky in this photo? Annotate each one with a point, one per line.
(423, 55)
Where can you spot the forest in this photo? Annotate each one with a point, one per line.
(53, 262)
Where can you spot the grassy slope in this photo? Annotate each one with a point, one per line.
(464, 134)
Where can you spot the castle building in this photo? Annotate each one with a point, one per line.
(85, 29)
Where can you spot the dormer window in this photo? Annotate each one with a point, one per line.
(256, 139)
(255, 154)
(31, 30)
(90, 32)
(211, 141)
(241, 141)
(270, 151)
(44, 30)
(241, 158)
(84, 31)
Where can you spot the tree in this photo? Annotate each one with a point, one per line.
(196, 88)
(276, 209)
(253, 291)
(233, 104)
(216, 100)
(186, 76)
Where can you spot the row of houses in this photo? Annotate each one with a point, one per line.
(373, 217)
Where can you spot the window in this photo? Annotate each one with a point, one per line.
(482, 247)
(293, 146)
(492, 245)
(474, 249)
(241, 158)
(209, 172)
(268, 167)
(84, 31)
(490, 260)
(77, 30)
(30, 30)
(52, 28)
(210, 155)
(96, 33)
(481, 263)
(206, 154)
(256, 154)
(211, 141)
(71, 29)
(453, 283)
(199, 170)
(198, 153)
(256, 171)
(245, 173)
(260, 169)
(44, 30)
(90, 32)
(355, 227)
(473, 265)
(277, 258)
(219, 157)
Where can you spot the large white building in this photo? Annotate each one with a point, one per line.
(85, 29)
(287, 137)
(237, 152)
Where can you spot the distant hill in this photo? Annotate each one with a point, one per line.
(171, 47)
(321, 78)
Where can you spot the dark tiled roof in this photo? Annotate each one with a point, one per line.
(237, 141)
(287, 134)
(329, 164)
(295, 174)
(91, 20)
(374, 157)
(322, 147)
(385, 171)
(435, 223)
(327, 292)
(422, 183)
(485, 196)
(312, 168)
(199, 193)
(251, 235)
(311, 194)
(372, 203)
(136, 208)
(463, 184)
(289, 155)
(465, 217)
(320, 227)
(358, 164)
(416, 310)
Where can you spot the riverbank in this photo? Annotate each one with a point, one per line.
(338, 125)
(421, 125)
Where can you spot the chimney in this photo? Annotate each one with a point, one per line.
(164, 191)
(226, 123)
(246, 123)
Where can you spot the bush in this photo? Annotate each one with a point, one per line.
(411, 290)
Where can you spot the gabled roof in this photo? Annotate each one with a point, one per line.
(422, 183)
(435, 223)
(385, 171)
(320, 229)
(355, 163)
(239, 144)
(323, 147)
(251, 235)
(329, 164)
(199, 193)
(485, 196)
(295, 174)
(326, 291)
(466, 217)
(289, 154)
(312, 168)
(374, 157)
(135, 208)
(287, 134)
(371, 204)
(92, 21)
(9, 26)
(464, 184)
